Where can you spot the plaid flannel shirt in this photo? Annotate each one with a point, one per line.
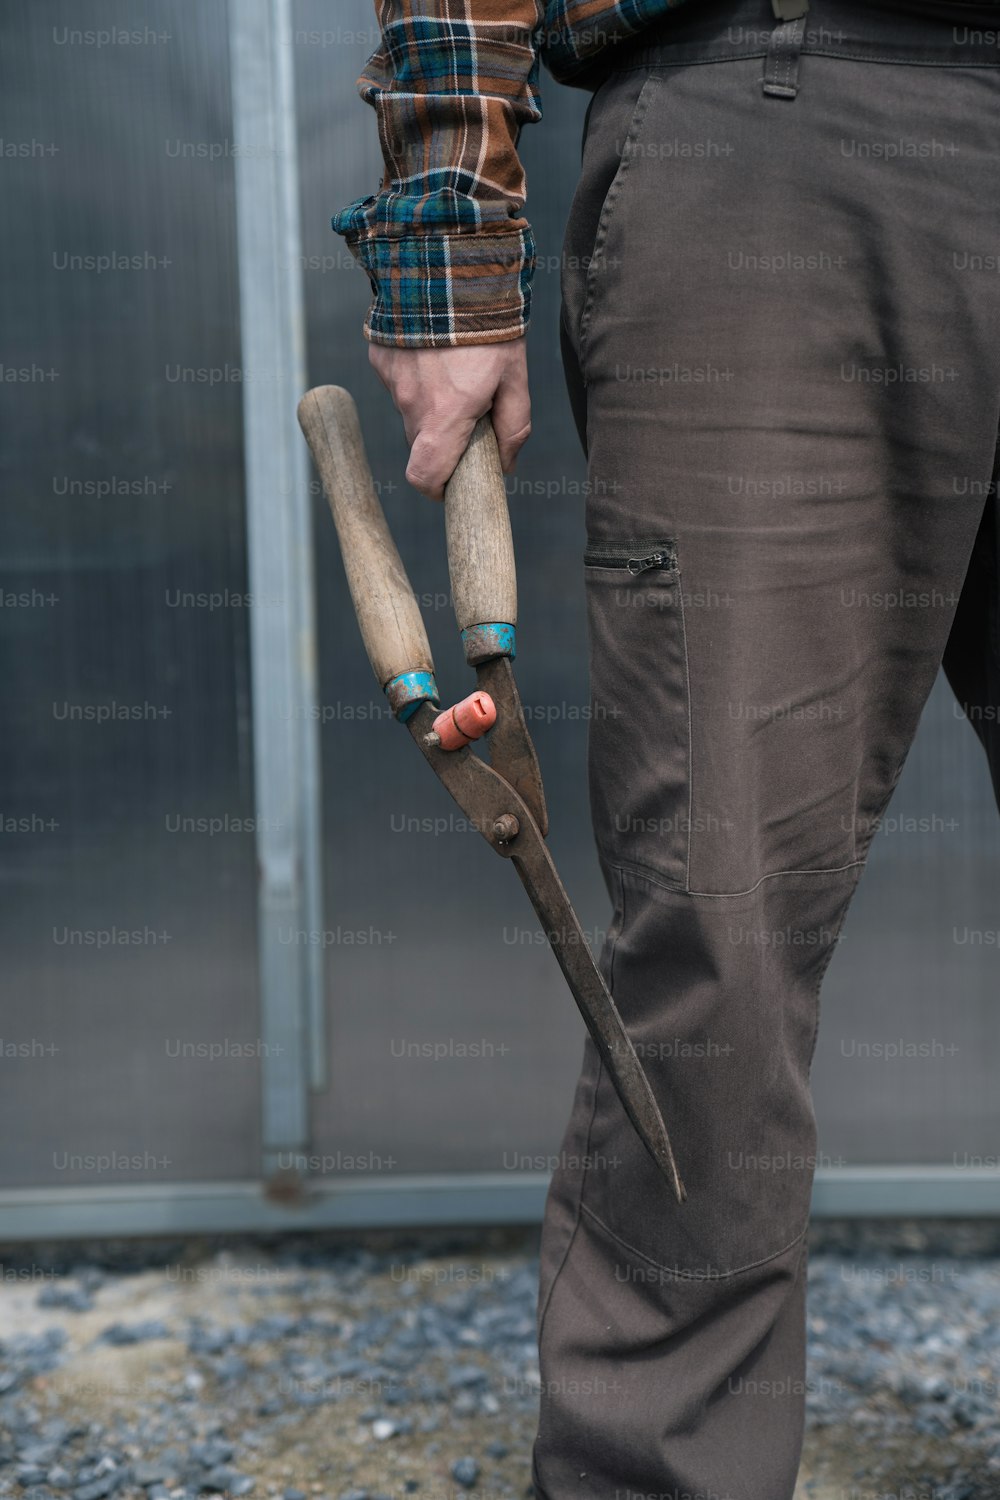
(446, 246)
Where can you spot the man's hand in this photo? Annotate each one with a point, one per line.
(442, 393)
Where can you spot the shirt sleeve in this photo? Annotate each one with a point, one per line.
(444, 241)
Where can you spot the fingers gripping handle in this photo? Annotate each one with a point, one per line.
(480, 549)
(387, 611)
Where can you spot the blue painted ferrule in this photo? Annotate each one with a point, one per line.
(483, 642)
(407, 691)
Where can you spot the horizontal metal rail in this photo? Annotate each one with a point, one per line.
(361, 1202)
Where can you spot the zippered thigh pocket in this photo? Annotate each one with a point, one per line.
(640, 742)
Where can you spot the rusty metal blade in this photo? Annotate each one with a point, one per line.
(486, 797)
(509, 743)
(595, 1002)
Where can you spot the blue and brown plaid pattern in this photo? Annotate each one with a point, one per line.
(444, 241)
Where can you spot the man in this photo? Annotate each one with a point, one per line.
(798, 217)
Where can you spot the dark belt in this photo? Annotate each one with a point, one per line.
(718, 30)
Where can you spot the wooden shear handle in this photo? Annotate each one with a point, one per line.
(480, 549)
(384, 602)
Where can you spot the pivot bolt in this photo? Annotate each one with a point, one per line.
(506, 828)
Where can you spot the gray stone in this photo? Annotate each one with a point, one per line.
(26, 1474)
(211, 1453)
(135, 1333)
(96, 1489)
(72, 1298)
(229, 1480)
(152, 1471)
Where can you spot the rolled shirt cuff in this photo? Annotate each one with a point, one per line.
(445, 289)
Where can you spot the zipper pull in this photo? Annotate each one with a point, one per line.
(640, 564)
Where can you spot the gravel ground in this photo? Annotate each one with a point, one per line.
(315, 1367)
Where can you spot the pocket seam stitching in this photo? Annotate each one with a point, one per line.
(673, 574)
(642, 104)
(667, 578)
(690, 735)
(646, 872)
(678, 1273)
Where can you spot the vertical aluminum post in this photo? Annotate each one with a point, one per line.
(282, 631)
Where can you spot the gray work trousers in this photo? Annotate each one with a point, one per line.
(781, 327)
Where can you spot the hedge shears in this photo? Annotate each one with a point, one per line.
(502, 798)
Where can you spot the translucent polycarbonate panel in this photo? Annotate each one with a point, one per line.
(453, 1042)
(128, 915)
(130, 1010)
(909, 1041)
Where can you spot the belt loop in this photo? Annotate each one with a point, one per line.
(781, 66)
